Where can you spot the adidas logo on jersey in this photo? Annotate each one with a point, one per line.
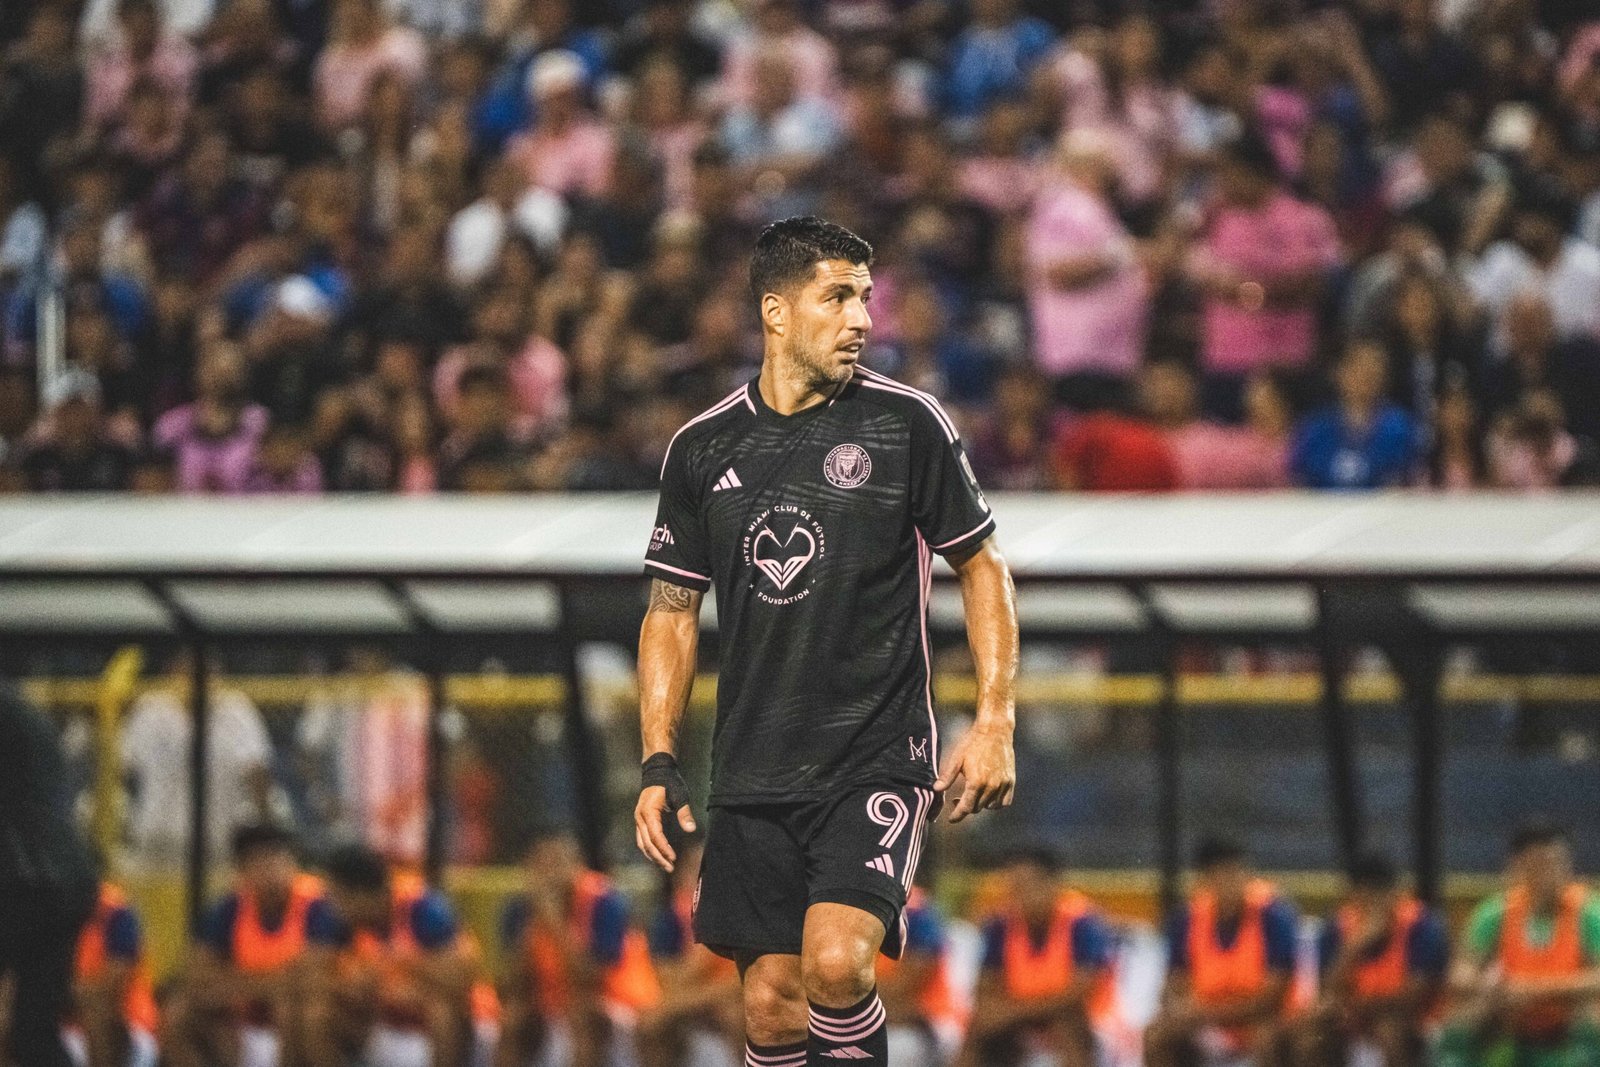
(884, 863)
(727, 481)
(849, 1052)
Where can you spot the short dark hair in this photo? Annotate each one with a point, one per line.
(1033, 854)
(254, 838)
(1253, 152)
(1535, 833)
(1374, 870)
(1216, 850)
(359, 868)
(788, 250)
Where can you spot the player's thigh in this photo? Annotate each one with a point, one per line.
(751, 899)
(862, 851)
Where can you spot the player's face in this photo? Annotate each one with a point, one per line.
(269, 873)
(366, 909)
(1546, 869)
(1033, 889)
(1228, 882)
(828, 322)
(553, 864)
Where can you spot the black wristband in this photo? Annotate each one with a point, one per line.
(662, 769)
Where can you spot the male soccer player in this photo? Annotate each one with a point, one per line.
(1047, 989)
(241, 989)
(1231, 961)
(113, 994)
(1383, 957)
(1528, 973)
(579, 974)
(814, 498)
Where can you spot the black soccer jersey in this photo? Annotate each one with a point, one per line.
(818, 530)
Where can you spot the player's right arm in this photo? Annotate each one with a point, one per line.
(668, 644)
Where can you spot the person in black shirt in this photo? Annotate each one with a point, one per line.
(815, 498)
(47, 884)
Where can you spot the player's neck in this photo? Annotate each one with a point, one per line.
(787, 393)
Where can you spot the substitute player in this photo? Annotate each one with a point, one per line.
(1047, 993)
(392, 978)
(700, 1019)
(926, 1011)
(239, 999)
(1231, 963)
(579, 973)
(1527, 977)
(1383, 957)
(815, 498)
(113, 994)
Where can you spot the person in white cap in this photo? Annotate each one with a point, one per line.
(567, 151)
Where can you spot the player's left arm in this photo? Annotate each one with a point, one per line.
(984, 757)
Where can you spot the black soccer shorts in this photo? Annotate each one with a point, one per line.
(765, 864)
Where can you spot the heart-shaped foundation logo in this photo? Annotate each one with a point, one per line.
(782, 561)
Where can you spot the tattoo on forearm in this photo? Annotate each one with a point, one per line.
(665, 596)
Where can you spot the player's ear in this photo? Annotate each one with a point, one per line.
(775, 313)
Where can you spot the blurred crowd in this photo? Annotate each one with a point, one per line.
(301, 246)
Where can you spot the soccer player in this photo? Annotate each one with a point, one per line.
(700, 1018)
(1047, 986)
(1231, 961)
(391, 978)
(926, 1012)
(1528, 974)
(241, 986)
(1383, 957)
(579, 975)
(814, 498)
(114, 996)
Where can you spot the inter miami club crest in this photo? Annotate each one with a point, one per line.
(847, 466)
(781, 544)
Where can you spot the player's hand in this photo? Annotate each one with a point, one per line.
(648, 828)
(661, 789)
(985, 761)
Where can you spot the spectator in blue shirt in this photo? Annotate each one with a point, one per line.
(1363, 441)
(992, 57)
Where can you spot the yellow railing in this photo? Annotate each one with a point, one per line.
(486, 693)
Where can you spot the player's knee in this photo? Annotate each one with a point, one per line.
(774, 1011)
(838, 972)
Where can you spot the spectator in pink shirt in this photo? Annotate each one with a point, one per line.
(141, 52)
(1208, 454)
(777, 28)
(661, 110)
(214, 441)
(1113, 83)
(1261, 266)
(363, 44)
(1087, 291)
(568, 151)
(1005, 175)
(533, 368)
